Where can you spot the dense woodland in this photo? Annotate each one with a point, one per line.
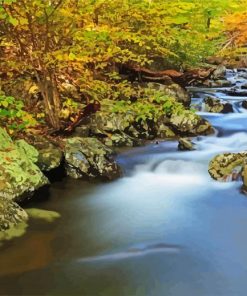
(60, 56)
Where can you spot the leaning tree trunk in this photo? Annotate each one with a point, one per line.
(48, 87)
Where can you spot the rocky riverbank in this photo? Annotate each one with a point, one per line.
(88, 152)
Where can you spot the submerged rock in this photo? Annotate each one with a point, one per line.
(19, 175)
(48, 216)
(185, 144)
(13, 232)
(227, 167)
(217, 106)
(88, 157)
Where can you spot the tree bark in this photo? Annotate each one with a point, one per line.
(48, 87)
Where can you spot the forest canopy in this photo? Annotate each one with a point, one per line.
(86, 44)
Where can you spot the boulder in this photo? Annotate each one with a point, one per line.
(217, 106)
(102, 123)
(185, 144)
(49, 155)
(227, 167)
(223, 83)
(20, 177)
(121, 139)
(219, 72)
(121, 128)
(190, 124)
(82, 131)
(163, 131)
(11, 214)
(88, 157)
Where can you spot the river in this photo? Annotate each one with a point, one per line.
(164, 229)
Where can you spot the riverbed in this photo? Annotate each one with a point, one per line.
(164, 229)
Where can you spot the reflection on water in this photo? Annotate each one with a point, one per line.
(166, 228)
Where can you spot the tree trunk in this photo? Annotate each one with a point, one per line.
(48, 87)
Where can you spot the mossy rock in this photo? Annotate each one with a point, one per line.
(121, 139)
(217, 106)
(227, 166)
(105, 122)
(163, 131)
(19, 175)
(173, 90)
(185, 144)
(190, 124)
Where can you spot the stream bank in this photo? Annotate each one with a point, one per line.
(87, 152)
(165, 228)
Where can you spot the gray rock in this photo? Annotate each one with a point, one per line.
(88, 157)
(82, 131)
(50, 156)
(102, 123)
(217, 106)
(185, 144)
(190, 124)
(11, 214)
(121, 139)
(217, 83)
(219, 72)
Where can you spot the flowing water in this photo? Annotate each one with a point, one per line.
(164, 229)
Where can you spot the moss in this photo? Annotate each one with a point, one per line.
(222, 166)
(29, 151)
(19, 174)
